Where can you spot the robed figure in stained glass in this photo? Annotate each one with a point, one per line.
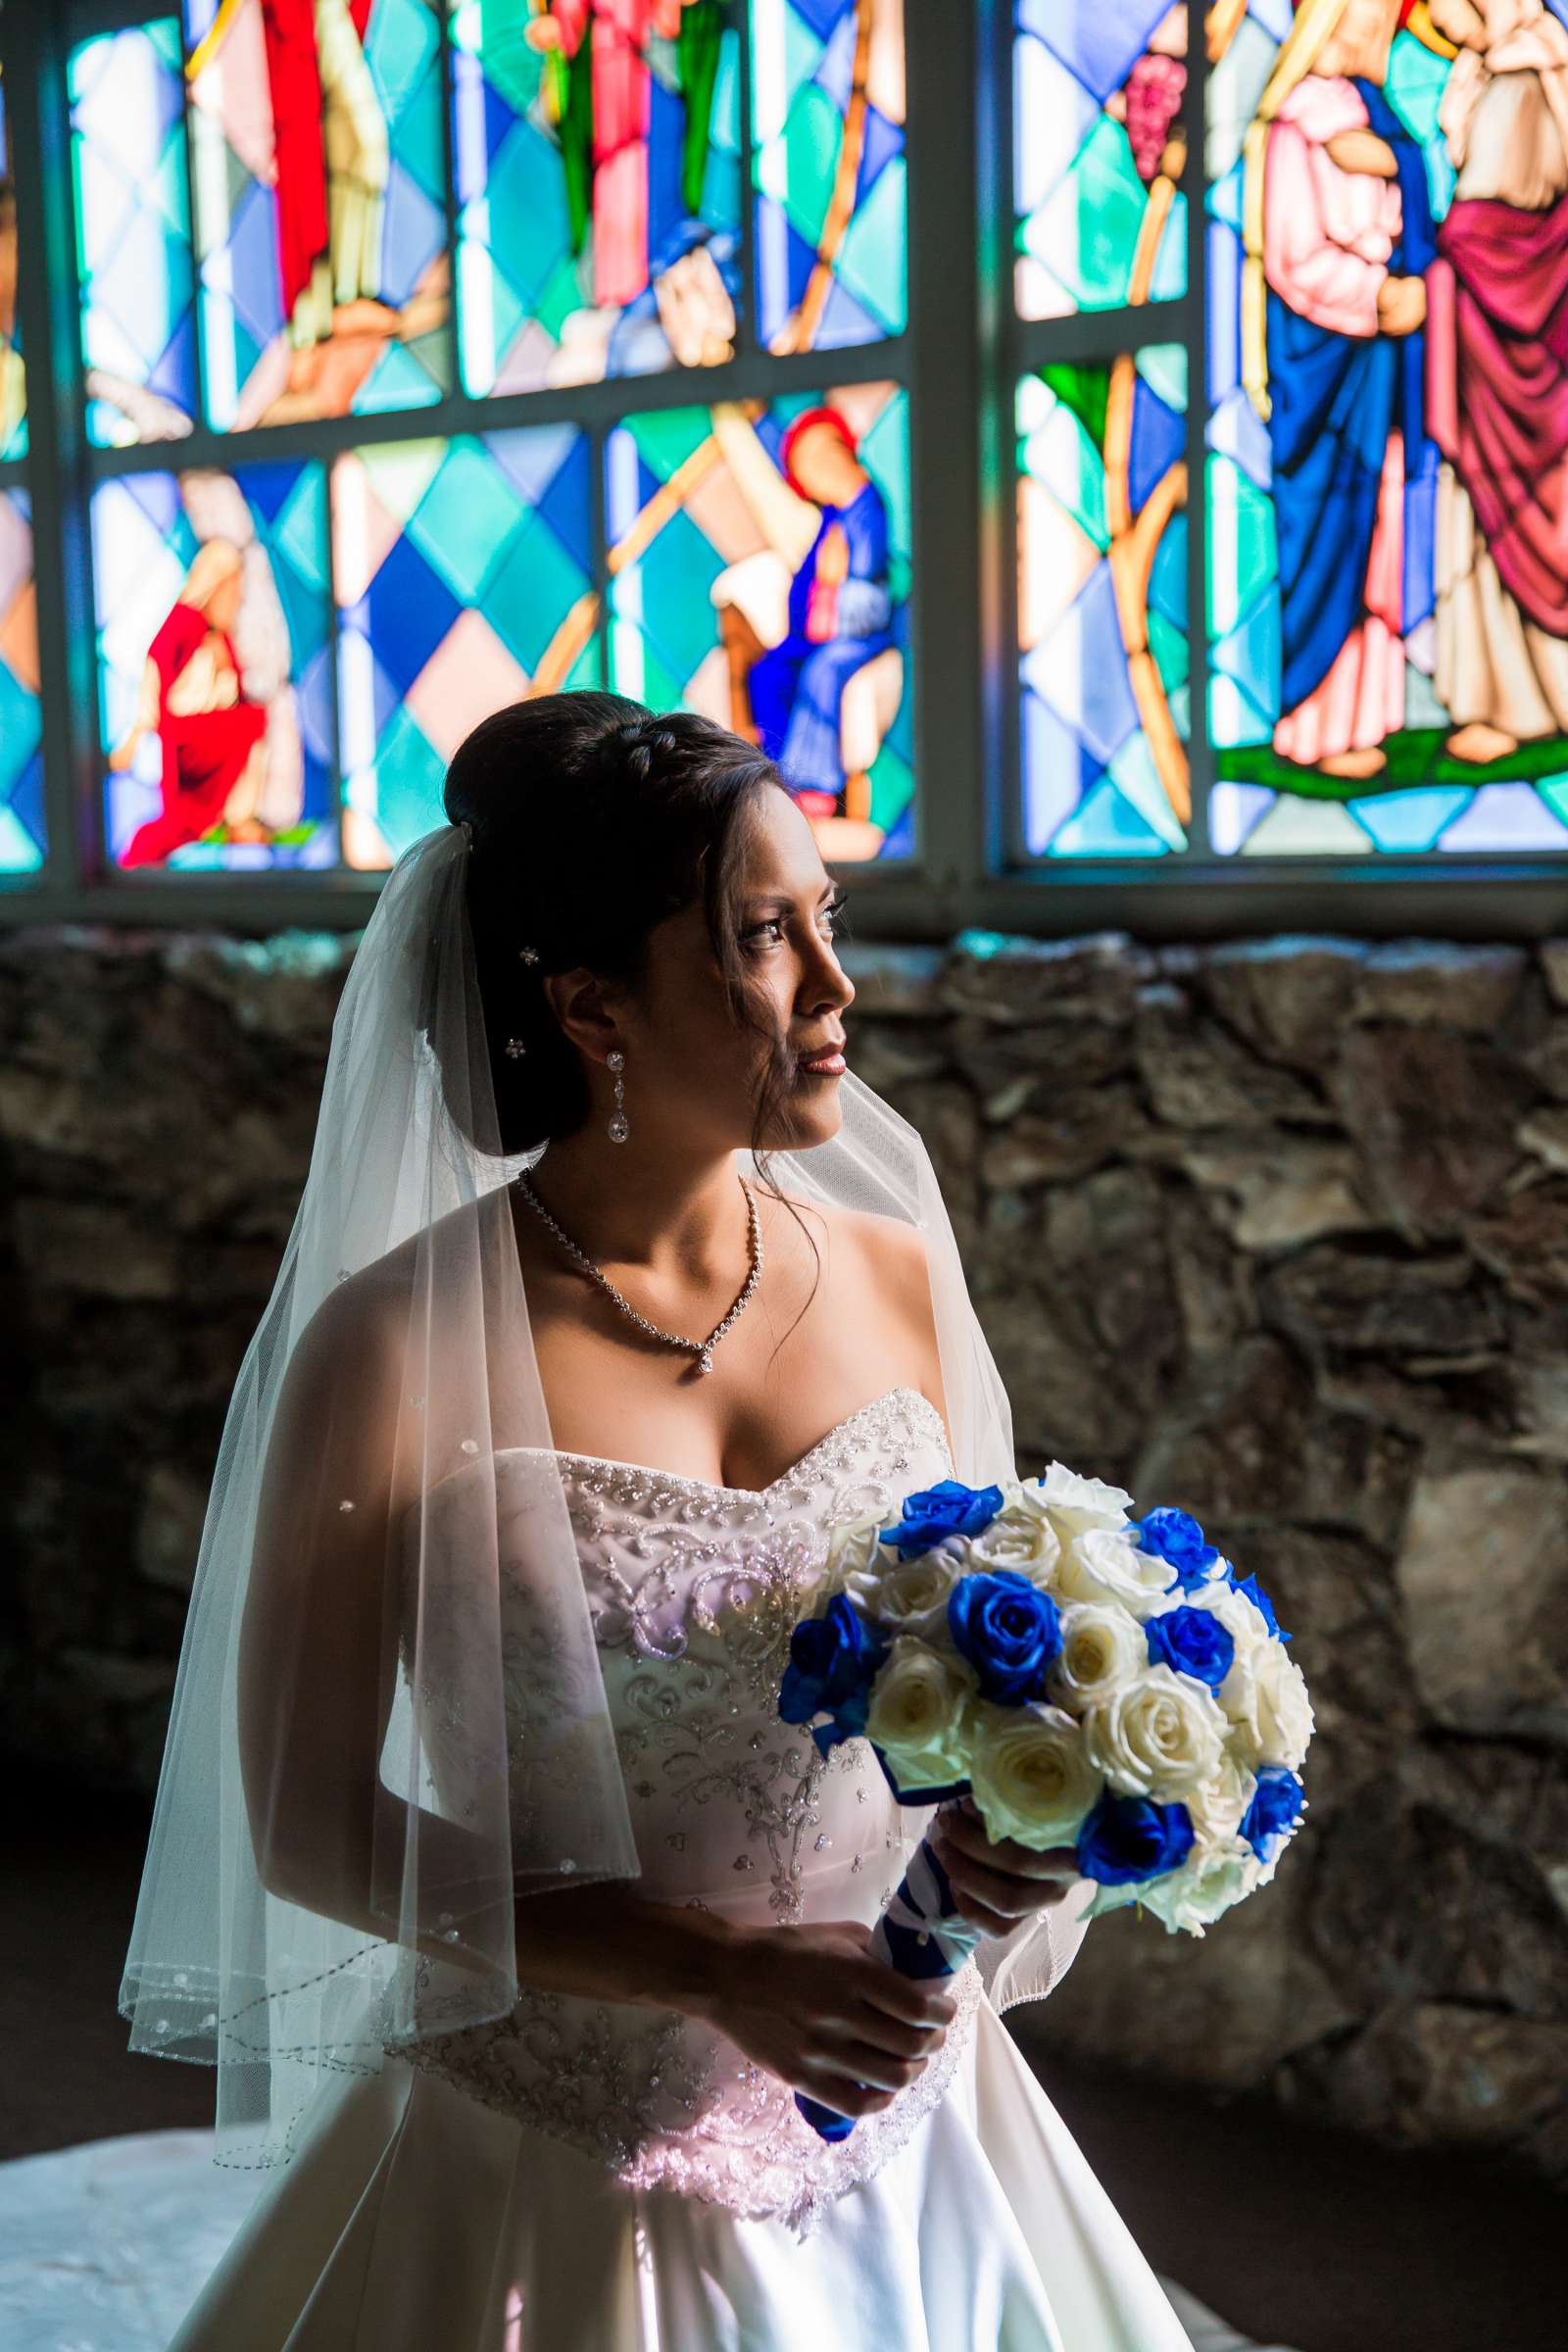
(289, 86)
(211, 733)
(1498, 378)
(821, 697)
(601, 94)
(1340, 232)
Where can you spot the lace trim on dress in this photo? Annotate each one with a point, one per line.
(660, 2107)
(761, 2158)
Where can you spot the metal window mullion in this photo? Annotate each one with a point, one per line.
(942, 373)
(1199, 748)
(38, 127)
(748, 340)
(996, 574)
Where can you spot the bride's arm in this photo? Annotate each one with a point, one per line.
(318, 1650)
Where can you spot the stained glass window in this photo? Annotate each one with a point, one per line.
(319, 191)
(463, 574)
(214, 665)
(22, 814)
(1100, 150)
(133, 248)
(597, 152)
(1388, 467)
(827, 104)
(1103, 605)
(760, 568)
(12, 379)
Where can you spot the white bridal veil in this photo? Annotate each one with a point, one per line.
(361, 1778)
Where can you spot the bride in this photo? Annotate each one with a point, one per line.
(483, 1869)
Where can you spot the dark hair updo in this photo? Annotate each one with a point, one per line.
(594, 819)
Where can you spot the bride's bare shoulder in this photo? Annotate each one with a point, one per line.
(892, 1250)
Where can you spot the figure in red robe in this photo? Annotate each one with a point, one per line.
(211, 738)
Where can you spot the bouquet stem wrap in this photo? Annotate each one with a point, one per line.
(920, 1934)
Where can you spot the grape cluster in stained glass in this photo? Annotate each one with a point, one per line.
(1388, 484)
(828, 113)
(760, 570)
(1100, 150)
(21, 816)
(215, 666)
(1103, 605)
(597, 154)
(464, 581)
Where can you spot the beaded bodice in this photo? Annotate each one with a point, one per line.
(693, 1589)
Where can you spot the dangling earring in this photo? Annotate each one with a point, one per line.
(618, 1129)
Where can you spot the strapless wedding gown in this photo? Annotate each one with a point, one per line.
(591, 2175)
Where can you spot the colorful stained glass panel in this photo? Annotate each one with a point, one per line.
(759, 559)
(22, 818)
(215, 666)
(319, 180)
(598, 170)
(1100, 149)
(12, 379)
(827, 117)
(464, 576)
(1103, 605)
(133, 249)
(1387, 442)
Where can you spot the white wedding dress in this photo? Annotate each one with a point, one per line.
(590, 2176)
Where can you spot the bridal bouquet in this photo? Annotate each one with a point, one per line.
(1090, 1679)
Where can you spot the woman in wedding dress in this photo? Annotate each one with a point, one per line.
(721, 1311)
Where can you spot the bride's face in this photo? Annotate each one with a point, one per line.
(691, 1058)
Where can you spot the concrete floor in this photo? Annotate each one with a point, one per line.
(1297, 2235)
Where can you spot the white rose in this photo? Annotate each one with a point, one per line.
(920, 1714)
(852, 1548)
(1102, 1646)
(1018, 1539)
(1285, 1719)
(908, 1595)
(1071, 1504)
(1157, 1737)
(1218, 1806)
(1208, 1882)
(1265, 1700)
(1031, 1777)
(1104, 1566)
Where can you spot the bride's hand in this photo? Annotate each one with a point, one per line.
(817, 2008)
(997, 1884)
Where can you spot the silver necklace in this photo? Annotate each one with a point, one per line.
(703, 1349)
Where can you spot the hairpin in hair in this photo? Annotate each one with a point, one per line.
(515, 1046)
(529, 954)
(467, 830)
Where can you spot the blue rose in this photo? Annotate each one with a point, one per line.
(950, 1508)
(1262, 1603)
(1009, 1630)
(1276, 1808)
(833, 1663)
(1126, 1838)
(1192, 1641)
(1176, 1537)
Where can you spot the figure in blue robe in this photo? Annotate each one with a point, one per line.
(1336, 399)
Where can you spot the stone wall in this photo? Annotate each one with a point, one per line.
(1276, 1230)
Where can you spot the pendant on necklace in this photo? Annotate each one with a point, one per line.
(705, 1362)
